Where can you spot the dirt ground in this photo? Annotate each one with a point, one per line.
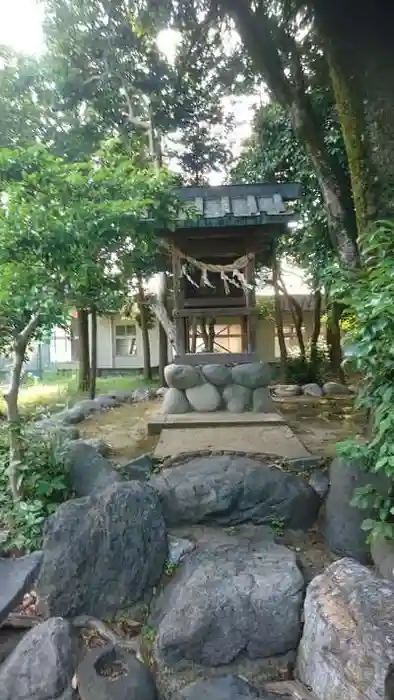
(319, 424)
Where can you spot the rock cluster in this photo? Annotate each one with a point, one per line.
(209, 388)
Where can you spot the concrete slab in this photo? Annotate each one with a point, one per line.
(273, 439)
(216, 419)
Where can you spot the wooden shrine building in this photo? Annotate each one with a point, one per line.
(215, 255)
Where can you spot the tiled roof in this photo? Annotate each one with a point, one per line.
(249, 203)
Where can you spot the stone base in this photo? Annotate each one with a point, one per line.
(218, 387)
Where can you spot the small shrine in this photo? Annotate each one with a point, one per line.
(215, 254)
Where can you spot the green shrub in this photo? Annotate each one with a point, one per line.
(45, 485)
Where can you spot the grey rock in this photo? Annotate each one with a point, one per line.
(341, 522)
(133, 680)
(139, 469)
(122, 396)
(70, 416)
(222, 688)
(320, 482)
(219, 375)
(347, 645)
(88, 470)
(204, 398)
(181, 376)
(312, 390)
(58, 431)
(161, 391)
(87, 406)
(304, 464)
(175, 402)
(237, 398)
(262, 402)
(42, 666)
(102, 552)
(382, 551)
(234, 595)
(229, 490)
(253, 375)
(143, 394)
(334, 388)
(105, 402)
(178, 547)
(96, 444)
(16, 578)
(285, 390)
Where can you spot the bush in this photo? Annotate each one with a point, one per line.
(45, 485)
(301, 371)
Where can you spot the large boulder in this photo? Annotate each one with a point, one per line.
(262, 402)
(341, 521)
(347, 645)
(253, 375)
(223, 688)
(237, 398)
(235, 594)
(89, 471)
(43, 664)
(335, 389)
(109, 672)
(312, 389)
(283, 391)
(382, 551)
(230, 490)
(175, 402)
(16, 577)
(102, 552)
(219, 375)
(204, 398)
(181, 376)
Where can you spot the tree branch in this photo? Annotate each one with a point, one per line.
(29, 329)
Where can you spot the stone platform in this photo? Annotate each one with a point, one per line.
(261, 437)
(218, 419)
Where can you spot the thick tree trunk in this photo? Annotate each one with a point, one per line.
(358, 43)
(316, 329)
(11, 399)
(334, 341)
(93, 369)
(84, 354)
(279, 323)
(144, 332)
(262, 40)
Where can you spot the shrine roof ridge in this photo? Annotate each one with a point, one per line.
(288, 191)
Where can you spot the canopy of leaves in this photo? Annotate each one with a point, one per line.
(74, 233)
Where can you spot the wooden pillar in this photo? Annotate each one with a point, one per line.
(178, 303)
(251, 304)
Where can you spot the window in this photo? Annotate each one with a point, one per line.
(125, 340)
(228, 338)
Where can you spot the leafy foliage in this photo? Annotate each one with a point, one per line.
(369, 293)
(45, 486)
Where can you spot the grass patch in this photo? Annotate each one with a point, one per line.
(55, 392)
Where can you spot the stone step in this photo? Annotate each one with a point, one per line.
(216, 419)
(289, 689)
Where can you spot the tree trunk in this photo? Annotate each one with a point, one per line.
(358, 44)
(262, 41)
(317, 304)
(84, 354)
(204, 334)
(334, 341)
(144, 331)
(296, 313)
(279, 323)
(163, 340)
(11, 399)
(93, 372)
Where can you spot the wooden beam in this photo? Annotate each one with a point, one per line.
(220, 311)
(216, 358)
(212, 302)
